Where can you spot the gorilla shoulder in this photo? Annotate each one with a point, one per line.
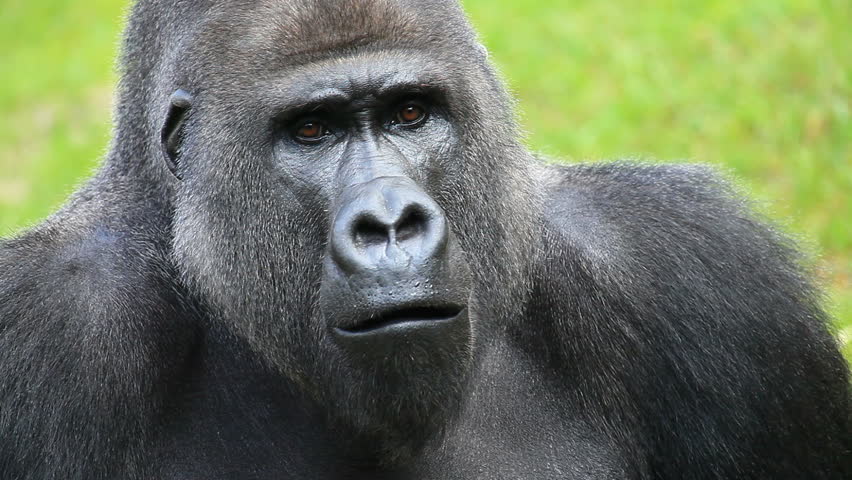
(680, 238)
(666, 282)
(84, 265)
(86, 301)
(619, 212)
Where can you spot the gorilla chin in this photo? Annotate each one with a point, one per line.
(399, 384)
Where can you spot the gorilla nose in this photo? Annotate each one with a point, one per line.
(388, 222)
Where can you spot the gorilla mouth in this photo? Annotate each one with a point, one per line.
(403, 318)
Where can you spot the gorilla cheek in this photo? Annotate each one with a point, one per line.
(256, 277)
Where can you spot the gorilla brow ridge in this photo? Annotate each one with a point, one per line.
(346, 26)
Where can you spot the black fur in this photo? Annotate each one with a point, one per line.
(627, 321)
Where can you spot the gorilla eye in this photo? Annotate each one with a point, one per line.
(410, 114)
(311, 132)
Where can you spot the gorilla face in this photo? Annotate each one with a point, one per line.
(325, 212)
(361, 148)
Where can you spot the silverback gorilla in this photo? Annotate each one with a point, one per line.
(317, 249)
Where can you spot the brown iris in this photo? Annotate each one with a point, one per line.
(410, 114)
(310, 131)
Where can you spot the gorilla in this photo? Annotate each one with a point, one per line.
(317, 248)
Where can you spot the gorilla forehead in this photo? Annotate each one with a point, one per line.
(284, 33)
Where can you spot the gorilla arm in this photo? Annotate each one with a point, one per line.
(689, 321)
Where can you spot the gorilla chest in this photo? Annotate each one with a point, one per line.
(509, 428)
(253, 451)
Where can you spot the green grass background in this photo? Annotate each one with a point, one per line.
(761, 88)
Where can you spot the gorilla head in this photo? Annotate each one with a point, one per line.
(344, 196)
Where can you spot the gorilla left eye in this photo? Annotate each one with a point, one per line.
(410, 114)
(310, 132)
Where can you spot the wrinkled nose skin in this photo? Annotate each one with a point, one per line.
(390, 251)
(389, 225)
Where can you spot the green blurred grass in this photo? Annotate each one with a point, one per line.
(759, 87)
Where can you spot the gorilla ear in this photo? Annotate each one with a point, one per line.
(172, 133)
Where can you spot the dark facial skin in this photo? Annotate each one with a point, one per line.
(368, 141)
(395, 280)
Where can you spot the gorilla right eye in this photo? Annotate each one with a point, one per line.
(310, 132)
(410, 115)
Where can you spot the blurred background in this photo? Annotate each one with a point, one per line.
(759, 88)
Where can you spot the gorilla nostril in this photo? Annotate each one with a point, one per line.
(369, 231)
(411, 224)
